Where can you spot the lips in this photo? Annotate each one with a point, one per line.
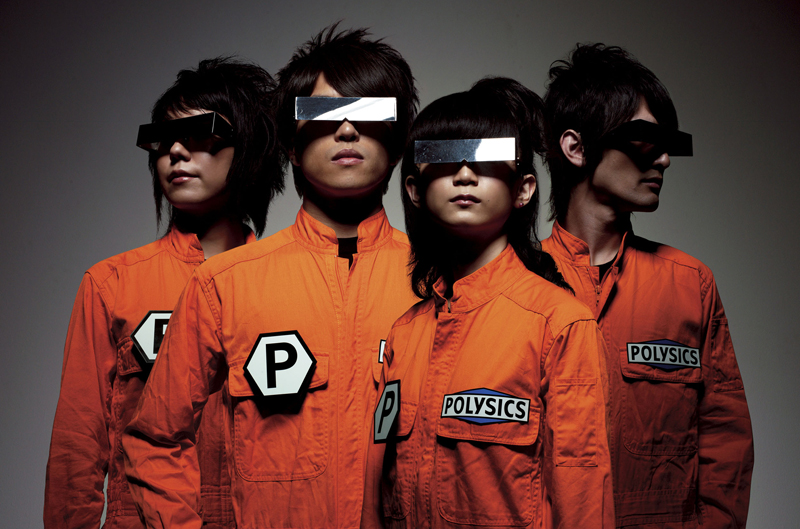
(347, 157)
(653, 182)
(179, 175)
(465, 200)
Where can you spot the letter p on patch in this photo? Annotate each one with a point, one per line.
(279, 364)
(387, 410)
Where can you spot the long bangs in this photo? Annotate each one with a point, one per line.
(463, 116)
(192, 96)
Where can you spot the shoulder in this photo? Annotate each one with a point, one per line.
(541, 298)
(247, 254)
(107, 268)
(665, 258)
(419, 310)
(400, 238)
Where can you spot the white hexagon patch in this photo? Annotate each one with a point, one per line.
(149, 333)
(279, 364)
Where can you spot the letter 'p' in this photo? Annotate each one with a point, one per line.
(387, 410)
(273, 366)
(279, 364)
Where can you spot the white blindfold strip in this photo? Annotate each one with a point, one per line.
(456, 151)
(349, 108)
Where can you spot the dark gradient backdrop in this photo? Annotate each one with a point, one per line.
(78, 78)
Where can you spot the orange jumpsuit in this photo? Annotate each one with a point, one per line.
(102, 380)
(502, 409)
(680, 434)
(296, 460)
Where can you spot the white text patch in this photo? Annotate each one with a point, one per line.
(485, 406)
(664, 354)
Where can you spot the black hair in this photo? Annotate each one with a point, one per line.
(355, 66)
(594, 90)
(494, 107)
(241, 93)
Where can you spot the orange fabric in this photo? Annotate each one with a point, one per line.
(505, 330)
(681, 440)
(297, 461)
(101, 382)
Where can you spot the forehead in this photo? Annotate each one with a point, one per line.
(178, 114)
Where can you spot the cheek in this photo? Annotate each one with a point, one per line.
(225, 159)
(308, 153)
(375, 150)
(383, 154)
(220, 165)
(163, 168)
(435, 192)
(616, 162)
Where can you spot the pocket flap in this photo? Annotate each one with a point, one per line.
(508, 431)
(377, 369)
(408, 415)
(127, 361)
(661, 372)
(238, 386)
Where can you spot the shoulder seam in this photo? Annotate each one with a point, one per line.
(210, 277)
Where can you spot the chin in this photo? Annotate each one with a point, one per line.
(649, 208)
(350, 188)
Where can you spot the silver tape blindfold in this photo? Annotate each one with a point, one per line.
(349, 108)
(456, 151)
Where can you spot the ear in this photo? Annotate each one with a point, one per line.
(572, 147)
(293, 157)
(413, 190)
(525, 188)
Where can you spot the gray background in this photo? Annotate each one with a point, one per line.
(78, 78)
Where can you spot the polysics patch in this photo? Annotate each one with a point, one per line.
(664, 354)
(485, 406)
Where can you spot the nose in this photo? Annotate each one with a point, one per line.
(178, 151)
(465, 176)
(662, 160)
(347, 132)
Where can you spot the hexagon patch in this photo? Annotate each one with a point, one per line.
(279, 364)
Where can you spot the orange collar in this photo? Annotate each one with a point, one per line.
(186, 246)
(482, 285)
(373, 232)
(577, 251)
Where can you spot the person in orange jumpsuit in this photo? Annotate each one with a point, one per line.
(291, 327)
(212, 147)
(680, 434)
(492, 413)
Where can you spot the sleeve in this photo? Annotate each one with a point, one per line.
(79, 446)
(159, 444)
(577, 464)
(725, 435)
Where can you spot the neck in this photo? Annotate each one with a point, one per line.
(216, 233)
(596, 224)
(471, 256)
(343, 215)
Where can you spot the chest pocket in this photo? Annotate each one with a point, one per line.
(659, 408)
(400, 465)
(488, 474)
(283, 438)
